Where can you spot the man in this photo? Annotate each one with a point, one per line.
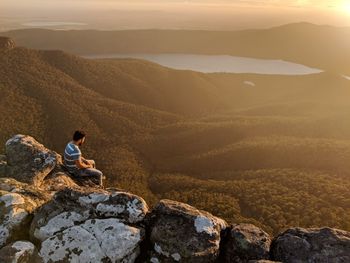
(75, 163)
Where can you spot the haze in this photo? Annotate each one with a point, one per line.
(171, 14)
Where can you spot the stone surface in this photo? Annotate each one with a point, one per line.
(246, 242)
(29, 161)
(95, 240)
(263, 261)
(20, 252)
(321, 245)
(81, 224)
(180, 232)
(71, 206)
(58, 181)
(17, 203)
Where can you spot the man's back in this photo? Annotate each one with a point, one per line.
(71, 154)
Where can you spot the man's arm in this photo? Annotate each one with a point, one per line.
(81, 164)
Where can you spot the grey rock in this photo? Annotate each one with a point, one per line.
(180, 232)
(95, 240)
(246, 242)
(20, 252)
(73, 206)
(29, 161)
(321, 245)
(58, 181)
(18, 201)
(90, 225)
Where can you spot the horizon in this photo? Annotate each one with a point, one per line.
(170, 14)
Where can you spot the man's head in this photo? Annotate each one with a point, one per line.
(79, 137)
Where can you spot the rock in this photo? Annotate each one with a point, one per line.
(3, 165)
(263, 261)
(180, 232)
(95, 240)
(20, 252)
(128, 207)
(246, 242)
(72, 206)
(311, 245)
(6, 43)
(58, 181)
(81, 224)
(29, 161)
(17, 203)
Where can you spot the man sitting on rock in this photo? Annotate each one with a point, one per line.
(76, 164)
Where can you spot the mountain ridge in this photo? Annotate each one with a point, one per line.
(290, 42)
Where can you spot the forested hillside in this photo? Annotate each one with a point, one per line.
(276, 154)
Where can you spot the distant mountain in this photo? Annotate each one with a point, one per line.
(319, 46)
(275, 154)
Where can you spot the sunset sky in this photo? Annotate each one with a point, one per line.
(178, 14)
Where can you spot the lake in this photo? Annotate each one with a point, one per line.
(219, 63)
(52, 24)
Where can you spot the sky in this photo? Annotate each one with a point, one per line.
(173, 14)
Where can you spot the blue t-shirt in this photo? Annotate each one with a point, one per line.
(71, 154)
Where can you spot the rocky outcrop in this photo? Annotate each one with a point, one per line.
(29, 161)
(322, 245)
(6, 43)
(48, 216)
(18, 201)
(90, 224)
(183, 233)
(245, 242)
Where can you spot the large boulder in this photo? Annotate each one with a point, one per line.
(28, 160)
(95, 240)
(20, 252)
(18, 201)
(180, 232)
(245, 242)
(79, 224)
(321, 245)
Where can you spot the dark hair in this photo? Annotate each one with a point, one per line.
(78, 135)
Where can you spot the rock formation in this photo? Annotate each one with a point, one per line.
(183, 233)
(312, 245)
(47, 216)
(246, 242)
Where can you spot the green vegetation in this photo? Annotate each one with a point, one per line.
(276, 154)
(274, 199)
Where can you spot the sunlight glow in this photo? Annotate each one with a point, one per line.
(343, 6)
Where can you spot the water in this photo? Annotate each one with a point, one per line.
(52, 24)
(219, 63)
